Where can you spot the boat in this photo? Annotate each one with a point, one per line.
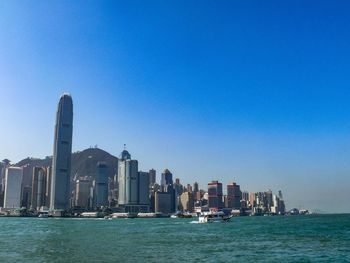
(209, 217)
(124, 215)
(43, 215)
(146, 215)
(182, 215)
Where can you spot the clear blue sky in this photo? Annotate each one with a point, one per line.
(254, 92)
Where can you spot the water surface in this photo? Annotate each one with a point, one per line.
(313, 238)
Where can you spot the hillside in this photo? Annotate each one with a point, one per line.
(83, 162)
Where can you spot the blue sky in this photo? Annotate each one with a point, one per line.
(255, 92)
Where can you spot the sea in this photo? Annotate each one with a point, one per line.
(309, 238)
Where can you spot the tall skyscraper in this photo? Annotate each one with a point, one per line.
(215, 195)
(167, 179)
(61, 162)
(143, 188)
(195, 187)
(38, 194)
(133, 185)
(233, 196)
(152, 177)
(13, 186)
(101, 185)
(82, 193)
(127, 179)
(167, 185)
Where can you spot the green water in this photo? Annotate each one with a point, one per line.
(314, 238)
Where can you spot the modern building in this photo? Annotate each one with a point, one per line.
(233, 196)
(167, 179)
(215, 195)
(195, 187)
(186, 202)
(82, 193)
(39, 188)
(26, 196)
(167, 185)
(127, 180)
(143, 188)
(163, 203)
(61, 162)
(13, 187)
(133, 194)
(101, 185)
(152, 177)
(48, 186)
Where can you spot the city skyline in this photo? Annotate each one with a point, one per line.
(243, 96)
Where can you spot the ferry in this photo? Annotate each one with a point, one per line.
(146, 215)
(123, 215)
(209, 217)
(43, 215)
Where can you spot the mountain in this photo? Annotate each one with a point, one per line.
(83, 163)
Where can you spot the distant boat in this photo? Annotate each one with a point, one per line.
(146, 215)
(209, 217)
(182, 215)
(123, 215)
(43, 215)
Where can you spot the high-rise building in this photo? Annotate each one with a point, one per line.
(13, 186)
(163, 203)
(133, 186)
(101, 185)
(167, 185)
(252, 200)
(38, 195)
(4, 164)
(189, 188)
(61, 162)
(143, 188)
(82, 193)
(127, 179)
(233, 196)
(167, 179)
(186, 202)
(215, 195)
(195, 187)
(48, 186)
(269, 200)
(152, 177)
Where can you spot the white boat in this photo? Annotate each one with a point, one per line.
(123, 215)
(43, 215)
(209, 217)
(146, 215)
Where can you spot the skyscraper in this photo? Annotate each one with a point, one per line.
(13, 184)
(82, 193)
(38, 188)
(143, 188)
(101, 185)
(133, 185)
(127, 179)
(167, 185)
(62, 151)
(234, 196)
(215, 195)
(152, 177)
(167, 179)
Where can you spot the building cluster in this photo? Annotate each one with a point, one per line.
(38, 189)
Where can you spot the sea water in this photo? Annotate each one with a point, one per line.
(311, 238)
